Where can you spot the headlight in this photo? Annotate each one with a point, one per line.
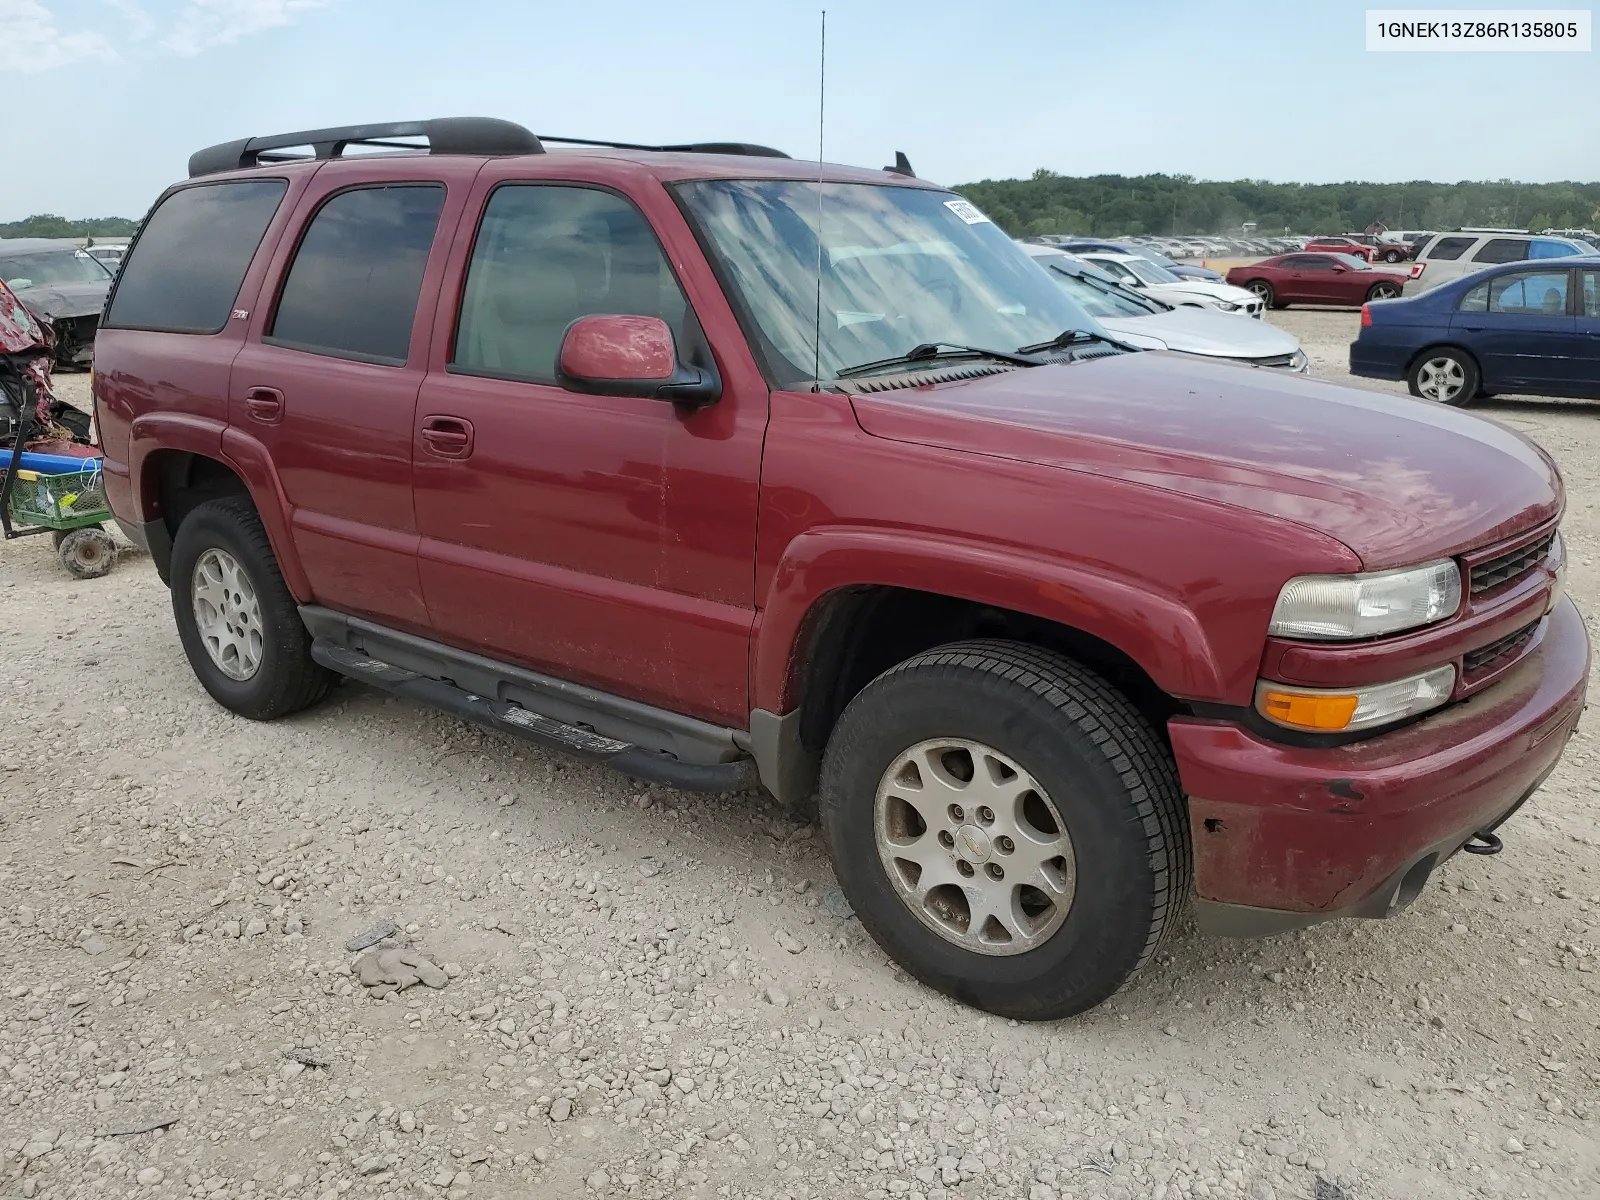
(1298, 361)
(1314, 710)
(1338, 607)
(1226, 305)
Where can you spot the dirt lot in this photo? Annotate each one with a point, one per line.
(656, 994)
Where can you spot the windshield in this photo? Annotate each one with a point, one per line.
(901, 267)
(52, 266)
(1100, 299)
(1161, 260)
(1150, 273)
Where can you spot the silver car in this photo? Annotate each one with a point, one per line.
(1447, 256)
(1146, 322)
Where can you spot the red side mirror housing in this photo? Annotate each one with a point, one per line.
(615, 354)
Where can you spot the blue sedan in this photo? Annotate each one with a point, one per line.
(1528, 327)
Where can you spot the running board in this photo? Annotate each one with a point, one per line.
(641, 763)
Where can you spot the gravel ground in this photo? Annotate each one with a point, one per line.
(648, 993)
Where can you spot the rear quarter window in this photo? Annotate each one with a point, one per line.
(184, 271)
(1448, 249)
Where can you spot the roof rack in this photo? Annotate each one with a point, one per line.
(446, 135)
(747, 148)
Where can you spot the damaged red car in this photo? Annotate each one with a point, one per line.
(719, 468)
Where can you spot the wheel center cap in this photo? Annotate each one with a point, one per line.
(973, 843)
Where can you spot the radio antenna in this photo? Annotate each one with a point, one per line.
(822, 108)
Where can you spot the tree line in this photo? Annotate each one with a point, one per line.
(48, 225)
(1181, 204)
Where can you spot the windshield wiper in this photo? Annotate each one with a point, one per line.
(931, 350)
(1068, 337)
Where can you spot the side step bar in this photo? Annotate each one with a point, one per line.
(637, 761)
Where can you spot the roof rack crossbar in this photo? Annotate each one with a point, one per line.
(446, 135)
(745, 148)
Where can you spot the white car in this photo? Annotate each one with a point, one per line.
(1139, 320)
(1143, 275)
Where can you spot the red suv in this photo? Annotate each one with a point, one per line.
(1342, 245)
(605, 448)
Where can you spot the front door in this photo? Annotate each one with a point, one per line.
(1520, 328)
(608, 540)
(328, 381)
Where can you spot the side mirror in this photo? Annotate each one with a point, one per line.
(1340, 267)
(609, 354)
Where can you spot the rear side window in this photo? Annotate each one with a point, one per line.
(1591, 294)
(352, 289)
(1529, 293)
(1502, 250)
(547, 255)
(1449, 249)
(1476, 300)
(185, 270)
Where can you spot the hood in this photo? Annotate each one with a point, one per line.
(1397, 480)
(58, 300)
(1205, 331)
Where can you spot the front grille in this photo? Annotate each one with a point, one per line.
(1273, 360)
(1513, 564)
(1497, 653)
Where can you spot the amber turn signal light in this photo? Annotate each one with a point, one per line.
(1316, 711)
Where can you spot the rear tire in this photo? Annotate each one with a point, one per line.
(1094, 776)
(1263, 289)
(237, 621)
(1444, 375)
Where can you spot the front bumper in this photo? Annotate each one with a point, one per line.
(1288, 836)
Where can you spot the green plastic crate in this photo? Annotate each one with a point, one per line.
(69, 501)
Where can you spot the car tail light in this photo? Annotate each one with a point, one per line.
(1417, 269)
(1366, 316)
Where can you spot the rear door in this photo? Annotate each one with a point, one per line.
(327, 382)
(1519, 326)
(607, 540)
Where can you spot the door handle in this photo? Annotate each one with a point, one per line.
(1473, 328)
(264, 404)
(447, 437)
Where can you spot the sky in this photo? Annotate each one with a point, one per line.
(108, 98)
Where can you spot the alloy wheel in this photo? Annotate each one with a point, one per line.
(974, 846)
(1441, 379)
(227, 613)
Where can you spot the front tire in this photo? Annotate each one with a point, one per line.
(1444, 375)
(1382, 291)
(1393, 256)
(1007, 826)
(237, 621)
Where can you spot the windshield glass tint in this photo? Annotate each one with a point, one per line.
(1354, 263)
(1149, 272)
(1100, 300)
(901, 267)
(56, 266)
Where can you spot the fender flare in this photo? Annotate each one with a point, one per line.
(1156, 631)
(153, 433)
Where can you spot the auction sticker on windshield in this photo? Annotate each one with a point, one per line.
(966, 210)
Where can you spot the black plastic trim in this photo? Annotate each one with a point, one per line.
(689, 740)
(446, 135)
(519, 721)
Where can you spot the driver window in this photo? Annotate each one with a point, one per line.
(547, 254)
